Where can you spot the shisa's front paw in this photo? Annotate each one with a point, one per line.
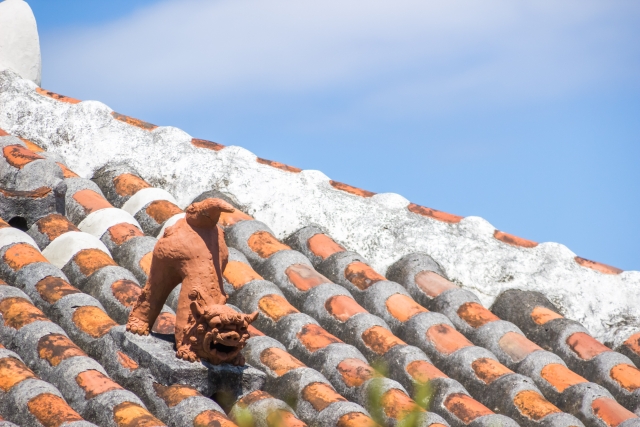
(185, 353)
(137, 326)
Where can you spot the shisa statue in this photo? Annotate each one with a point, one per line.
(193, 252)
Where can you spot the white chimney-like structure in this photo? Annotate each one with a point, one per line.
(19, 41)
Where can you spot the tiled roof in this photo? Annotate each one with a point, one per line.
(341, 340)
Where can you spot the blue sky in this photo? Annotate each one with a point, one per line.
(524, 113)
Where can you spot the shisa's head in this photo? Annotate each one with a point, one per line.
(218, 332)
(205, 214)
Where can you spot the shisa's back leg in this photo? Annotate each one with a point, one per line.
(163, 278)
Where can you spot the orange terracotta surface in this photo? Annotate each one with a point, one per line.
(541, 315)
(38, 193)
(517, 346)
(209, 145)
(193, 252)
(423, 371)
(610, 411)
(355, 372)
(350, 189)
(282, 418)
(489, 370)
(228, 219)
(598, 266)
(265, 244)
(51, 289)
(212, 419)
(127, 184)
(91, 260)
(585, 346)
(314, 337)
(446, 339)
(239, 274)
(3, 133)
(91, 201)
(397, 404)
(12, 372)
(66, 172)
(162, 210)
(432, 283)
(165, 324)
(133, 122)
(51, 410)
(512, 240)
(323, 246)
(145, 263)
(95, 383)
(356, 419)
(279, 165)
(403, 307)
(126, 291)
(93, 321)
(174, 394)
(560, 377)
(279, 361)
(129, 414)
(55, 225)
(627, 376)
(56, 96)
(127, 362)
(54, 348)
(475, 314)
(432, 213)
(633, 343)
(32, 146)
(465, 407)
(22, 254)
(253, 397)
(380, 339)
(18, 312)
(305, 277)
(532, 405)
(3, 223)
(321, 395)
(123, 232)
(275, 307)
(342, 307)
(362, 275)
(19, 156)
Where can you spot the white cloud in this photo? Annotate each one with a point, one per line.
(403, 56)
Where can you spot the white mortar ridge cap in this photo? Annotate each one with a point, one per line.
(98, 222)
(10, 235)
(379, 227)
(65, 246)
(144, 196)
(19, 41)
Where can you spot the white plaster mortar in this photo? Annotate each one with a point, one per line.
(380, 228)
(64, 247)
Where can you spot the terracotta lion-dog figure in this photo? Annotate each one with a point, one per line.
(193, 252)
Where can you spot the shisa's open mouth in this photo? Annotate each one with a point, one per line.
(221, 348)
(218, 350)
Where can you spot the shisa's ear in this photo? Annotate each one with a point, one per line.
(250, 318)
(196, 309)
